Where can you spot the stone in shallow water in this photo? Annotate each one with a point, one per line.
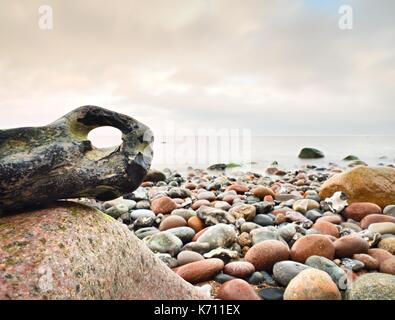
(60, 159)
(310, 153)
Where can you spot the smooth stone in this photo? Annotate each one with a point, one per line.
(184, 233)
(256, 278)
(287, 232)
(379, 254)
(389, 210)
(196, 223)
(359, 210)
(164, 242)
(172, 221)
(206, 195)
(313, 215)
(197, 247)
(200, 203)
(337, 274)
(222, 277)
(179, 193)
(351, 264)
(325, 227)
(129, 203)
(369, 262)
(271, 294)
(239, 269)
(155, 176)
(263, 207)
(223, 205)
(348, 245)
(332, 218)
(304, 205)
(222, 253)
(285, 271)
(239, 188)
(387, 244)
(265, 254)
(263, 220)
(184, 213)
(350, 158)
(145, 232)
(143, 222)
(135, 214)
(249, 226)
(167, 259)
(200, 271)
(163, 205)
(312, 284)
(372, 286)
(312, 245)
(212, 216)
(143, 204)
(245, 211)
(265, 233)
(376, 218)
(237, 289)
(220, 235)
(388, 266)
(382, 227)
(185, 257)
(371, 184)
(352, 226)
(261, 192)
(117, 211)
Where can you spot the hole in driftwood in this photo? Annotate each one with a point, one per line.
(105, 137)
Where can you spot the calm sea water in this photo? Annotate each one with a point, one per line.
(179, 153)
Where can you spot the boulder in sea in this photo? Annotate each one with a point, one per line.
(310, 153)
(217, 167)
(75, 252)
(363, 184)
(351, 158)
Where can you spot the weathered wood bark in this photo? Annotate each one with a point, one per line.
(75, 252)
(42, 164)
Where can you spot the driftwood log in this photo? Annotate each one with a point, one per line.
(41, 164)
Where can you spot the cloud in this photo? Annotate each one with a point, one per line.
(275, 67)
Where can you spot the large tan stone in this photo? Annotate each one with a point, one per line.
(76, 252)
(363, 184)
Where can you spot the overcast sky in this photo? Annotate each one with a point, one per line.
(279, 67)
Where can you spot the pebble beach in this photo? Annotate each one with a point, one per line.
(280, 234)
